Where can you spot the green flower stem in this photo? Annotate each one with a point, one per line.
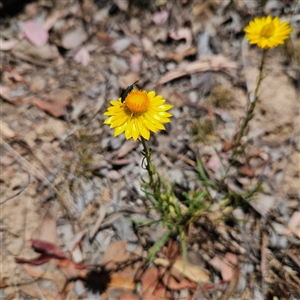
(153, 183)
(237, 148)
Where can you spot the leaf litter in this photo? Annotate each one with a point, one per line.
(176, 47)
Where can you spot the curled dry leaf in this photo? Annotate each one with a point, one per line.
(182, 33)
(42, 259)
(48, 248)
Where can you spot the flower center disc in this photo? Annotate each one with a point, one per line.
(137, 101)
(268, 30)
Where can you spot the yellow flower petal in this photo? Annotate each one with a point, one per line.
(267, 32)
(144, 112)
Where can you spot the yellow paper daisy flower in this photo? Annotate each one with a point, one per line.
(140, 113)
(267, 32)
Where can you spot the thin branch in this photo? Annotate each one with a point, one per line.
(18, 192)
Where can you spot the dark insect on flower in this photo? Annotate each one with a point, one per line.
(128, 90)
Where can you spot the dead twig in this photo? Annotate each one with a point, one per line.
(18, 192)
(181, 157)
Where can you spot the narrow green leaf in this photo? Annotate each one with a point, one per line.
(157, 246)
(201, 169)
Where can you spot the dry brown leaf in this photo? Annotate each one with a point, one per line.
(171, 250)
(122, 4)
(214, 163)
(82, 56)
(120, 281)
(74, 38)
(71, 269)
(56, 276)
(53, 17)
(56, 105)
(178, 57)
(38, 293)
(6, 45)
(123, 162)
(148, 46)
(5, 93)
(190, 271)
(26, 50)
(35, 33)
(115, 254)
(61, 95)
(54, 108)
(5, 131)
(3, 283)
(129, 296)
(128, 79)
(121, 44)
(126, 148)
(122, 264)
(149, 281)
(48, 229)
(225, 265)
(101, 216)
(105, 38)
(247, 171)
(227, 145)
(172, 284)
(182, 33)
(294, 224)
(205, 63)
(135, 62)
(161, 17)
